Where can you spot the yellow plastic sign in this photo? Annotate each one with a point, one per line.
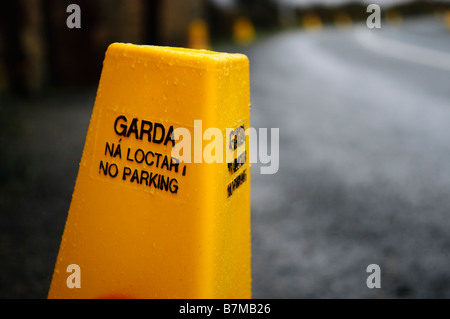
(142, 223)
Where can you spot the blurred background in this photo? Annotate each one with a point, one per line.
(363, 114)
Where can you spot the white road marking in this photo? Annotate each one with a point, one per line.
(404, 51)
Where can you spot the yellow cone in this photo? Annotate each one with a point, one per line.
(447, 19)
(140, 224)
(394, 18)
(198, 35)
(312, 22)
(342, 20)
(243, 31)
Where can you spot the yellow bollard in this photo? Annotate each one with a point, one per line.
(342, 20)
(142, 223)
(243, 31)
(198, 35)
(312, 22)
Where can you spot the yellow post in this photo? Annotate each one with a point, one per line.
(143, 223)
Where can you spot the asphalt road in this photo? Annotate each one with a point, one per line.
(364, 174)
(364, 170)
